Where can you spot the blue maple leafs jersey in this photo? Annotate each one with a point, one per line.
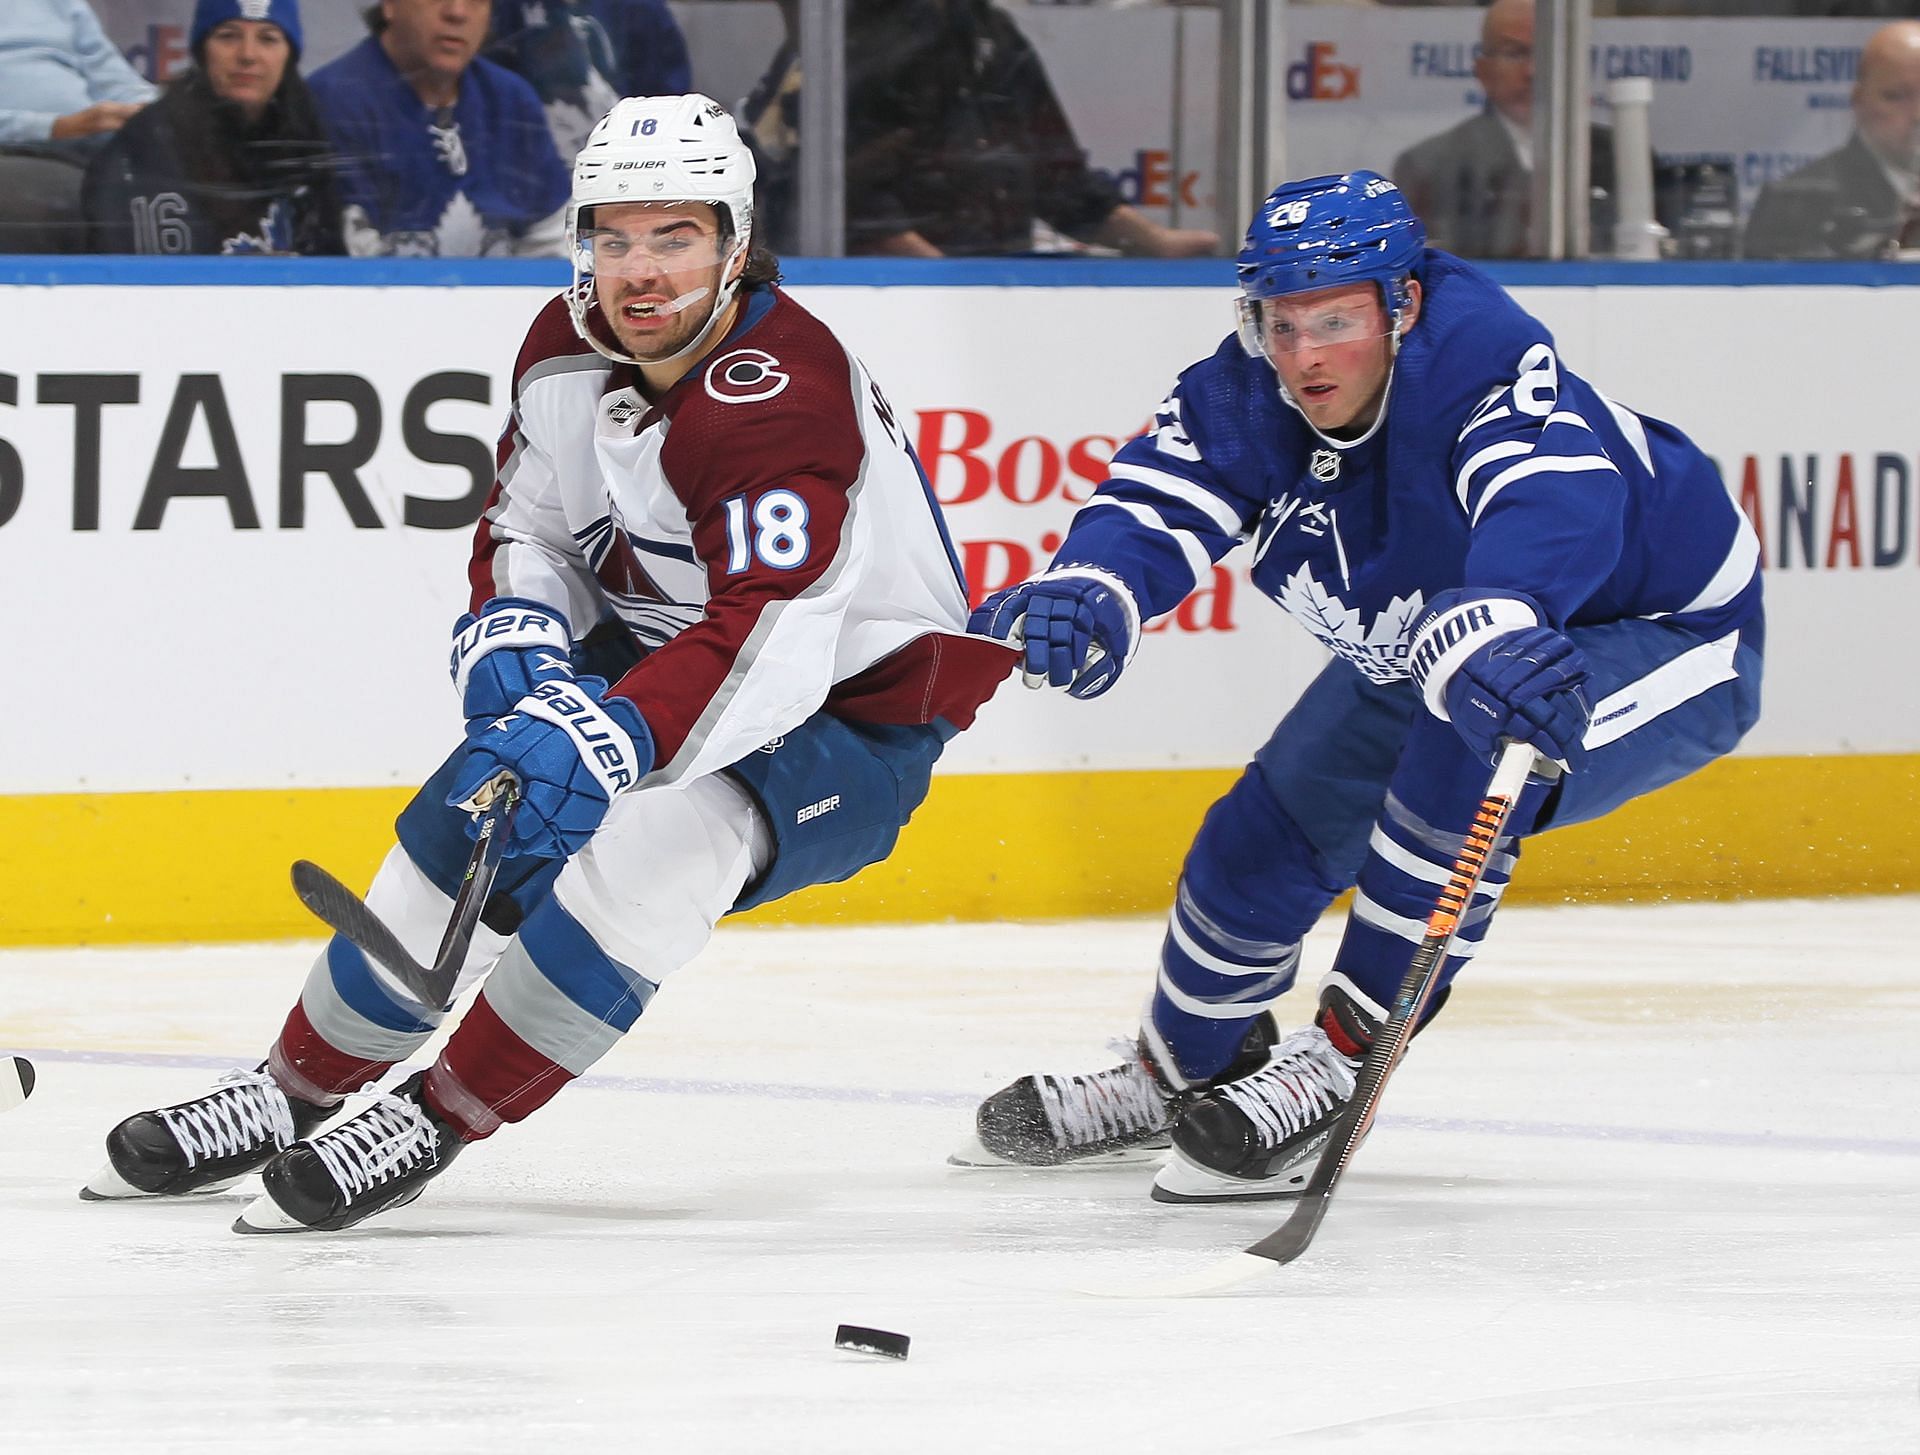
(473, 181)
(1495, 467)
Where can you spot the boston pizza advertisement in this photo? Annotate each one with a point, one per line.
(234, 521)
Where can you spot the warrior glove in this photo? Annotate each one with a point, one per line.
(1076, 627)
(1488, 664)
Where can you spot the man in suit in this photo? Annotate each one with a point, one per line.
(1862, 200)
(1473, 184)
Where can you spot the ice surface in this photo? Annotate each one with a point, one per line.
(1653, 1181)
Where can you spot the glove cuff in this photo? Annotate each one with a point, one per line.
(507, 621)
(617, 758)
(1454, 631)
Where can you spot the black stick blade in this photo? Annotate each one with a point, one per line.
(16, 1081)
(1290, 1239)
(345, 913)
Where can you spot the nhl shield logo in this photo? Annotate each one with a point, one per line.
(1325, 465)
(624, 409)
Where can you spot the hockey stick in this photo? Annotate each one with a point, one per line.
(16, 1081)
(346, 913)
(1290, 1239)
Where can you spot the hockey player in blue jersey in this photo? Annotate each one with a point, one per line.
(1490, 547)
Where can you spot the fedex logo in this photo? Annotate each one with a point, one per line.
(1321, 78)
(1152, 182)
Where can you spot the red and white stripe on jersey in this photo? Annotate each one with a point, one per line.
(764, 528)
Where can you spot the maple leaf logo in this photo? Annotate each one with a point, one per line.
(461, 231)
(1380, 651)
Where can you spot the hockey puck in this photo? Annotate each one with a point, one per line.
(870, 1341)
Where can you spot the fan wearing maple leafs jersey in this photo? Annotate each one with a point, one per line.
(1491, 549)
(440, 153)
(717, 641)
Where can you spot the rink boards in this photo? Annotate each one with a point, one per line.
(234, 519)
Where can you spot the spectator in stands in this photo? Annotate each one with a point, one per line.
(1862, 200)
(442, 154)
(580, 56)
(63, 90)
(231, 159)
(1473, 184)
(956, 142)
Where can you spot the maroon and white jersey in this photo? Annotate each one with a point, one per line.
(764, 529)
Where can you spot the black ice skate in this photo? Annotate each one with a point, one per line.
(381, 1157)
(1258, 1137)
(1105, 1118)
(203, 1145)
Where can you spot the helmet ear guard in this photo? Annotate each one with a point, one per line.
(1247, 311)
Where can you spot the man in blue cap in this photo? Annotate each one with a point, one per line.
(1490, 548)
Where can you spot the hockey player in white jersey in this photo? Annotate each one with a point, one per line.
(1490, 547)
(717, 637)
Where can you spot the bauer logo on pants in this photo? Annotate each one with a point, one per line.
(815, 810)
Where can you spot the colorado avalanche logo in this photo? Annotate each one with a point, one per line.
(745, 376)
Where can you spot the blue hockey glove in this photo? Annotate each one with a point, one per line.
(572, 749)
(504, 653)
(1078, 628)
(1490, 666)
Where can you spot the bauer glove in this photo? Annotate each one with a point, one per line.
(503, 653)
(572, 749)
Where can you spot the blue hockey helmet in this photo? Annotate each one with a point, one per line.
(1353, 227)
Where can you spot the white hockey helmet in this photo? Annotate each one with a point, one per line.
(661, 149)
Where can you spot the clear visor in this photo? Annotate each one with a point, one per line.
(1274, 326)
(608, 252)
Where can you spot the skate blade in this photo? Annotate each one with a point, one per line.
(107, 1185)
(264, 1215)
(972, 1153)
(1182, 1180)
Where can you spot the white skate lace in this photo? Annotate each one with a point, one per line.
(1115, 1102)
(246, 1107)
(391, 1136)
(1305, 1079)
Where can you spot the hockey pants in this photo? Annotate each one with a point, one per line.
(572, 953)
(1360, 787)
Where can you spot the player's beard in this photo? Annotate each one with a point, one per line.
(658, 344)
